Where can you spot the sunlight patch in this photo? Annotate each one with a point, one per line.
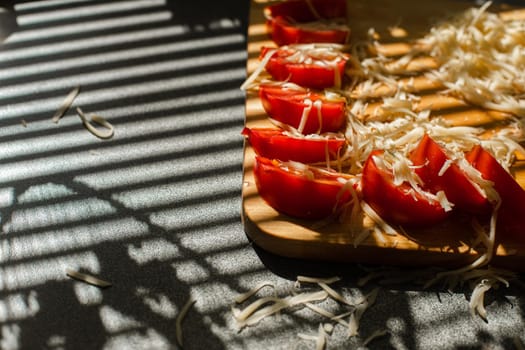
(159, 304)
(153, 250)
(43, 192)
(86, 294)
(19, 306)
(37, 272)
(150, 339)
(191, 272)
(114, 321)
(10, 337)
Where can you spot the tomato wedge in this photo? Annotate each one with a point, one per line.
(512, 209)
(430, 160)
(276, 144)
(315, 66)
(300, 191)
(308, 21)
(307, 111)
(397, 204)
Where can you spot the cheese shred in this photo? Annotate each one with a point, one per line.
(180, 317)
(66, 104)
(264, 307)
(103, 134)
(245, 296)
(90, 279)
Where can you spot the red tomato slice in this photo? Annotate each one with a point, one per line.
(290, 105)
(309, 65)
(399, 205)
(429, 159)
(306, 193)
(285, 21)
(275, 144)
(512, 210)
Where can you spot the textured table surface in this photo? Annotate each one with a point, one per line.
(155, 210)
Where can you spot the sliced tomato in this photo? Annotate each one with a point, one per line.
(307, 111)
(276, 144)
(397, 204)
(310, 65)
(511, 213)
(290, 22)
(299, 191)
(429, 158)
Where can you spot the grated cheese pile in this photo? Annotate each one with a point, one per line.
(481, 58)
(477, 56)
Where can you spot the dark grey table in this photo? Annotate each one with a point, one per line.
(155, 210)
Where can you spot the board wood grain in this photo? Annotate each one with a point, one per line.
(446, 245)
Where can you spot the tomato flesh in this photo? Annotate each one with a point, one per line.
(429, 159)
(288, 105)
(313, 73)
(285, 19)
(512, 209)
(315, 195)
(275, 144)
(397, 204)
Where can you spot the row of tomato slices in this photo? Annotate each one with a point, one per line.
(283, 169)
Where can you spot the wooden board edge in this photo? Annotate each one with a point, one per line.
(340, 251)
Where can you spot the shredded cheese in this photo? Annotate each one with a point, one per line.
(306, 112)
(245, 296)
(307, 279)
(481, 58)
(267, 306)
(389, 230)
(355, 317)
(253, 313)
(260, 68)
(90, 279)
(320, 338)
(180, 318)
(476, 300)
(66, 104)
(322, 54)
(108, 133)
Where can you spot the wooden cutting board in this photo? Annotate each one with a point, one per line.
(445, 245)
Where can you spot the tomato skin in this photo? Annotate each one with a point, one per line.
(296, 195)
(512, 210)
(311, 75)
(287, 106)
(395, 204)
(429, 159)
(300, 11)
(283, 18)
(274, 144)
(284, 32)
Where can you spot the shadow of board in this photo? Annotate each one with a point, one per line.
(198, 12)
(7, 20)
